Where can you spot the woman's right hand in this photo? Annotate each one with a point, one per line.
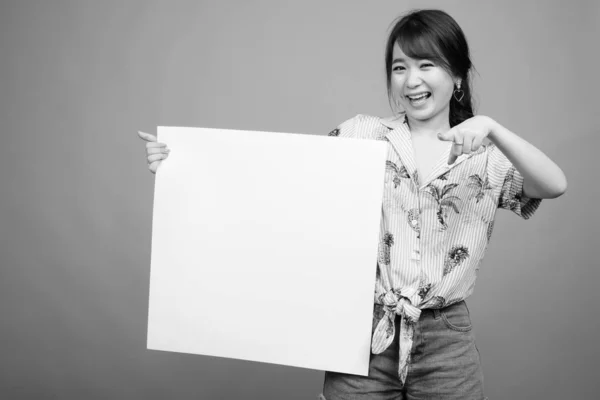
(156, 152)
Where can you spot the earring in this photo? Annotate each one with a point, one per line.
(458, 93)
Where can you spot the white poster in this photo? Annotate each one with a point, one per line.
(264, 247)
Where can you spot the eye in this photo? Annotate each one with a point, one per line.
(398, 68)
(427, 65)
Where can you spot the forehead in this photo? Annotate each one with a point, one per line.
(417, 48)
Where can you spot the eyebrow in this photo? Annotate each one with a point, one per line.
(403, 60)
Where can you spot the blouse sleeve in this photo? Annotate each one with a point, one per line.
(508, 185)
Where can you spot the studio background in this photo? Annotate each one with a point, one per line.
(79, 78)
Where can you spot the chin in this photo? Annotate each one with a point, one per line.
(420, 115)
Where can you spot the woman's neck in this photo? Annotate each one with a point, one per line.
(430, 127)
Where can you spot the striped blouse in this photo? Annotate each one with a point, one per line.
(434, 229)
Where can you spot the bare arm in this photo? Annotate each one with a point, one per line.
(542, 178)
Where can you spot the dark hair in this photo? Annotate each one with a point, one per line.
(434, 35)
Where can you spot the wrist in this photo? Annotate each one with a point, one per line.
(493, 129)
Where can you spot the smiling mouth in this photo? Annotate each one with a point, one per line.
(419, 99)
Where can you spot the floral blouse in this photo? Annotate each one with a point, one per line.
(434, 229)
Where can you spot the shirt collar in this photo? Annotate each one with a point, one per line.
(400, 139)
(395, 121)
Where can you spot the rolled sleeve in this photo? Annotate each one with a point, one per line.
(510, 194)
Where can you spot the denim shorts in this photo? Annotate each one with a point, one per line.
(445, 363)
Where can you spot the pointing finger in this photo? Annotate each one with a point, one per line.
(455, 151)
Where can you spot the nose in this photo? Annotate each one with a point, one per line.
(413, 78)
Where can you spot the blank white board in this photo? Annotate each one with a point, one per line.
(264, 247)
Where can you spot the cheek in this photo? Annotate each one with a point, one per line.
(445, 90)
(446, 85)
(397, 84)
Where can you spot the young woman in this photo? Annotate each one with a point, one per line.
(448, 171)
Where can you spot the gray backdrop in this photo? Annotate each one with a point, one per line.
(78, 78)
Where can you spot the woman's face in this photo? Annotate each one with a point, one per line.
(422, 87)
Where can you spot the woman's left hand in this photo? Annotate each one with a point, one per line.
(467, 136)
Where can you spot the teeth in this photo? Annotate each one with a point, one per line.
(419, 97)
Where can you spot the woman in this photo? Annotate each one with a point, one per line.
(447, 173)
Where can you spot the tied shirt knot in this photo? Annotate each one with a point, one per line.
(397, 302)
